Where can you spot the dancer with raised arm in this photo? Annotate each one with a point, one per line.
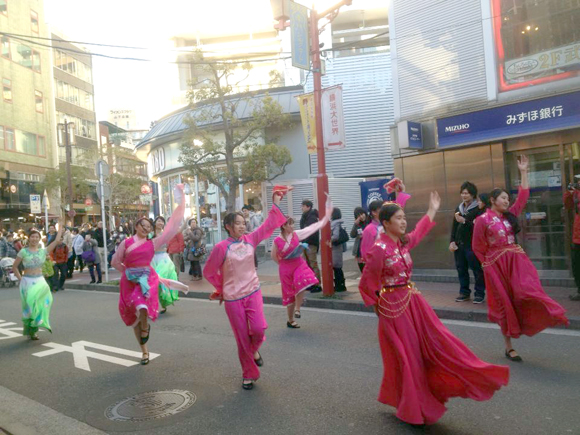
(164, 267)
(139, 298)
(230, 269)
(34, 290)
(295, 274)
(424, 363)
(515, 297)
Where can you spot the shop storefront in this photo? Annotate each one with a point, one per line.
(482, 147)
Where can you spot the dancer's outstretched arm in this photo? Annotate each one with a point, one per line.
(174, 223)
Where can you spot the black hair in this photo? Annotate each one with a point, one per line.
(387, 212)
(375, 205)
(289, 221)
(159, 217)
(484, 198)
(139, 223)
(230, 219)
(358, 211)
(336, 214)
(470, 187)
(75, 229)
(511, 218)
(52, 225)
(33, 231)
(308, 203)
(248, 207)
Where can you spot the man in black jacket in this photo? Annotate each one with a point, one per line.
(309, 217)
(461, 235)
(98, 236)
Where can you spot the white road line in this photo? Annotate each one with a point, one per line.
(552, 331)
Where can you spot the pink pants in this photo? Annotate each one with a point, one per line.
(249, 325)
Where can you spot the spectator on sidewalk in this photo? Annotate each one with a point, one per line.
(460, 245)
(92, 258)
(338, 237)
(309, 217)
(98, 236)
(60, 258)
(78, 241)
(361, 220)
(571, 202)
(371, 231)
(67, 239)
(175, 249)
(193, 237)
(7, 246)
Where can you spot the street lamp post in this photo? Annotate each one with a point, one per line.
(66, 138)
(280, 10)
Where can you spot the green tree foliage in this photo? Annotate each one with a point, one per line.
(220, 145)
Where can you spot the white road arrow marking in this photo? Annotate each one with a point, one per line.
(9, 332)
(81, 355)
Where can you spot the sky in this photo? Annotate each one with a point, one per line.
(147, 86)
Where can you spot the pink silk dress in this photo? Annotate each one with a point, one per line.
(515, 297)
(424, 363)
(135, 254)
(295, 275)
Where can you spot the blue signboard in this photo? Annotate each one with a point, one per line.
(373, 190)
(415, 136)
(520, 119)
(300, 36)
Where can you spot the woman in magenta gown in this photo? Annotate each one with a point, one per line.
(139, 287)
(516, 300)
(424, 363)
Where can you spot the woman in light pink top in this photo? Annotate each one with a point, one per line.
(230, 269)
(139, 287)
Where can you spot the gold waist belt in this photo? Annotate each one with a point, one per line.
(496, 255)
(395, 308)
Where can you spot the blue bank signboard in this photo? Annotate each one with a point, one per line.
(520, 119)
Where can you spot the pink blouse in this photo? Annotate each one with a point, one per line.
(493, 232)
(389, 263)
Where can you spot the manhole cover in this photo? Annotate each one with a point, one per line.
(152, 405)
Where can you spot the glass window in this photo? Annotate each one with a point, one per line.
(4, 7)
(34, 21)
(72, 66)
(41, 146)
(35, 61)
(38, 101)
(9, 138)
(7, 90)
(5, 47)
(536, 41)
(26, 142)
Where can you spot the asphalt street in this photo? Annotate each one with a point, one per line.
(320, 379)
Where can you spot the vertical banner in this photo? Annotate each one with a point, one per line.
(374, 190)
(308, 118)
(300, 36)
(333, 119)
(35, 204)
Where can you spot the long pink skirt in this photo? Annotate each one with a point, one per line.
(515, 298)
(295, 277)
(425, 364)
(131, 299)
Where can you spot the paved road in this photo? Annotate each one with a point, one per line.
(321, 379)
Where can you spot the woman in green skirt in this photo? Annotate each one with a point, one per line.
(34, 290)
(165, 268)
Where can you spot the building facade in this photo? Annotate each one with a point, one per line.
(476, 83)
(27, 127)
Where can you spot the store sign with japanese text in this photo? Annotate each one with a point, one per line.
(520, 119)
(308, 118)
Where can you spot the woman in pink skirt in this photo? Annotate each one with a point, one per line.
(516, 300)
(139, 288)
(295, 274)
(230, 269)
(424, 364)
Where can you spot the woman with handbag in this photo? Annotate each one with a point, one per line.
(295, 274)
(194, 248)
(338, 237)
(34, 290)
(92, 258)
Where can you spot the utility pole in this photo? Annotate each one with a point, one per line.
(279, 7)
(66, 139)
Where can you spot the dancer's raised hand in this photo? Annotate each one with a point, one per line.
(523, 163)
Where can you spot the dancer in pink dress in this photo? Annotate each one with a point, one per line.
(371, 231)
(230, 269)
(424, 363)
(295, 274)
(139, 288)
(516, 300)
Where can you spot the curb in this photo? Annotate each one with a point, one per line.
(332, 304)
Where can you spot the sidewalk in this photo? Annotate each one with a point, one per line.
(440, 295)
